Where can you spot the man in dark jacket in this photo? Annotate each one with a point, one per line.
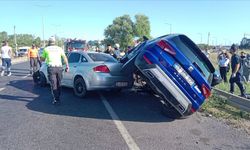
(110, 51)
(236, 76)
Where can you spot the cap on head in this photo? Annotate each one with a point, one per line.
(117, 45)
(52, 40)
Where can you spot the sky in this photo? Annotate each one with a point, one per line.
(226, 21)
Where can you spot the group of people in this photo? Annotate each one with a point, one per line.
(240, 66)
(52, 55)
(6, 54)
(115, 52)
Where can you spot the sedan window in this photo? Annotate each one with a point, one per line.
(74, 58)
(83, 59)
(101, 57)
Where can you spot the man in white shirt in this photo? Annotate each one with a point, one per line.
(223, 60)
(6, 52)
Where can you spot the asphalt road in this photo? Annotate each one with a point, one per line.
(127, 120)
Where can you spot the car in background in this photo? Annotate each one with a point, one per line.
(75, 44)
(176, 69)
(23, 51)
(89, 71)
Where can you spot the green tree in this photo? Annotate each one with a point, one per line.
(37, 41)
(121, 31)
(142, 26)
(3, 36)
(22, 39)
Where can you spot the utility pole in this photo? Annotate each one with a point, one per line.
(15, 39)
(208, 36)
(43, 31)
(200, 37)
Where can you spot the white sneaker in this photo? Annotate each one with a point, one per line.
(9, 74)
(2, 73)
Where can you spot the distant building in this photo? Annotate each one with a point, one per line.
(245, 43)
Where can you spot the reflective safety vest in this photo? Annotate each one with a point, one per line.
(53, 56)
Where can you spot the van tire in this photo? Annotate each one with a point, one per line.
(39, 78)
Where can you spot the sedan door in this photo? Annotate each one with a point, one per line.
(74, 59)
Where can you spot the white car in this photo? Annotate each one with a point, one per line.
(23, 51)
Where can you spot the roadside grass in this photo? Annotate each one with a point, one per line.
(218, 107)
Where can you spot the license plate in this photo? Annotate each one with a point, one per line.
(121, 84)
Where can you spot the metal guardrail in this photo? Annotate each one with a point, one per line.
(234, 100)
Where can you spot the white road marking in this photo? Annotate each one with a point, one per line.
(125, 134)
(26, 76)
(1, 89)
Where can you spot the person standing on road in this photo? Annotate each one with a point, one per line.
(53, 57)
(223, 61)
(246, 74)
(33, 58)
(245, 69)
(236, 76)
(117, 51)
(6, 52)
(110, 51)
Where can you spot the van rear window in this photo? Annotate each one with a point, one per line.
(184, 45)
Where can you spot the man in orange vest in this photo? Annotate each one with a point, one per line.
(33, 57)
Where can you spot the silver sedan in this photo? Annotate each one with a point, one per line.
(89, 71)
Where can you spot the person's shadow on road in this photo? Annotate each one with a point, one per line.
(129, 106)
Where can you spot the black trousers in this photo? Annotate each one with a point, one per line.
(223, 73)
(238, 81)
(55, 77)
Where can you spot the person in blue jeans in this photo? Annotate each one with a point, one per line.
(6, 52)
(236, 76)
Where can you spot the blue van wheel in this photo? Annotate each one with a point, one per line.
(170, 112)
